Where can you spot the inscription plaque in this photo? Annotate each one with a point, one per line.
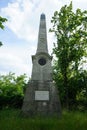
(41, 95)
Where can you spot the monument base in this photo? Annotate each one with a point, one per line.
(41, 98)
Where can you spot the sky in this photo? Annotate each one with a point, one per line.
(20, 35)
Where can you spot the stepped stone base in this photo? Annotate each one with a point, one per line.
(41, 98)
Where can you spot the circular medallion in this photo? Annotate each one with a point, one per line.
(42, 61)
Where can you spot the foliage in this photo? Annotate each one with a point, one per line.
(2, 20)
(0, 43)
(12, 90)
(71, 33)
(11, 120)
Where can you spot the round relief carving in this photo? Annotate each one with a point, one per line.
(42, 61)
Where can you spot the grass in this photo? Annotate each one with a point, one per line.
(11, 120)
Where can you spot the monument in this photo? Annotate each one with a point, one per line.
(41, 96)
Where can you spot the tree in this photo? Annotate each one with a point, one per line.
(70, 29)
(12, 90)
(2, 20)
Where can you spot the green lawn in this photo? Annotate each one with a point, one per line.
(12, 120)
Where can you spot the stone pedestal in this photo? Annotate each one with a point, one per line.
(41, 98)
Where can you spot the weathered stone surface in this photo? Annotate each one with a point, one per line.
(49, 107)
(41, 96)
(42, 72)
(42, 36)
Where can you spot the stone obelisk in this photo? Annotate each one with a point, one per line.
(41, 96)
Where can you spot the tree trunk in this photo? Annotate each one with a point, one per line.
(66, 89)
